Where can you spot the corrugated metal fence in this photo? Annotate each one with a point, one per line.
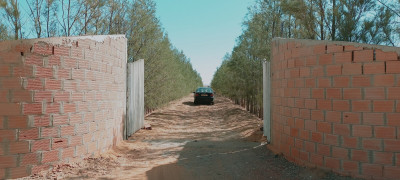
(135, 97)
(267, 99)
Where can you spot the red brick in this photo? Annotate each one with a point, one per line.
(351, 118)
(69, 108)
(305, 72)
(8, 135)
(67, 131)
(67, 62)
(76, 141)
(385, 132)
(49, 132)
(324, 104)
(384, 80)
(373, 118)
(18, 172)
(350, 142)
(392, 67)
(311, 61)
(299, 62)
(305, 114)
(372, 170)
(309, 146)
(334, 48)
(310, 103)
(318, 93)
(324, 127)
(359, 155)
(11, 83)
(310, 125)
(363, 56)
(316, 137)
(341, 105)
(311, 83)
(333, 93)
(374, 68)
(50, 156)
(61, 50)
(19, 147)
(375, 93)
(23, 71)
(323, 150)
(361, 81)
(29, 134)
(372, 144)
(391, 172)
(383, 158)
(350, 166)
(342, 81)
(304, 93)
(383, 106)
(341, 129)
(52, 84)
(77, 118)
(60, 119)
(361, 106)
(4, 96)
(68, 153)
(34, 60)
(324, 82)
(41, 145)
(341, 153)
(52, 108)
(77, 96)
(393, 119)
(34, 84)
(43, 96)
(59, 143)
(385, 56)
(392, 145)
(29, 159)
(352, 69)
(42, 72)
(317, 115)
(361, 131)
(21, 96)
(42, 49)
(333, 116)
(324, 59)
(17, 122)
(319, 49)
(331, 139)
(64, 73)
(352, 93)
(35, 108)
(333, 70)
(5, 70)
(62, 96)
(316, 159)
(345, 57)
(394, 93)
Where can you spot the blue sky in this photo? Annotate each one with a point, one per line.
(204, 29)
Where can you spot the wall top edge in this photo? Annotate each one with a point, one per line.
(310, 42)
(64, 40)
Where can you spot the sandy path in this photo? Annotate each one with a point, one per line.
(220, 141)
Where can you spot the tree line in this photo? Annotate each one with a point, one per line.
(364, 21)
(168, 72)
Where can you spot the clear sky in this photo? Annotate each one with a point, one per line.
(204, 29)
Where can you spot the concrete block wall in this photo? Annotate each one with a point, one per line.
(60, 99)
(336, 106)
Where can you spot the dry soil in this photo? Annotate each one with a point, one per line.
(188, 141)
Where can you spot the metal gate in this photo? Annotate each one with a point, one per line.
(267, 99)
(135, 98)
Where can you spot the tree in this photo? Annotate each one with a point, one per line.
(12, 14)
(35, 12)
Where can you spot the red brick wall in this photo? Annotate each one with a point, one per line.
(60, 99)
(336, 106)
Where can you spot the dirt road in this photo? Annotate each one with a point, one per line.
(220, 141)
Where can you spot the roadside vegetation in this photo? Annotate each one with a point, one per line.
(366, 21)
(169, 74)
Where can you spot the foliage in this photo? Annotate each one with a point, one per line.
(365, 21)
(168, 72)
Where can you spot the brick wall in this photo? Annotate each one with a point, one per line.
(336, 106)
(60, 99)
